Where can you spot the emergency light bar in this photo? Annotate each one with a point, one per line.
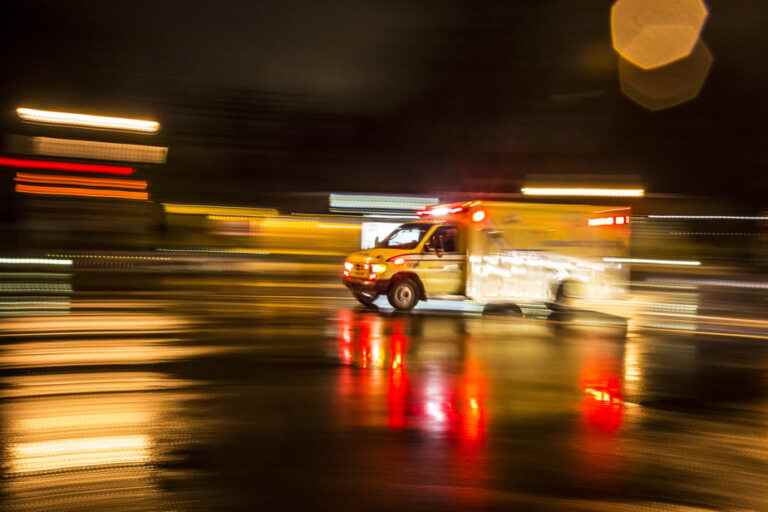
(441, 210)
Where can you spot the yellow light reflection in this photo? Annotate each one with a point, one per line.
(62, 454)
(87, 120)
(653, 33)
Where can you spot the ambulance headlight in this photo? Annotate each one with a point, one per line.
(378, 268)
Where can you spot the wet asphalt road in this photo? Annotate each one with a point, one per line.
(246, 394)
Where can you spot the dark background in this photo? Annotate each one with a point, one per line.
(263, 97)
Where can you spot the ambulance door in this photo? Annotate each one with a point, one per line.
(443, 262)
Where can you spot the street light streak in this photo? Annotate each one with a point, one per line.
(34, 261)
(87, 120)
(645, 261)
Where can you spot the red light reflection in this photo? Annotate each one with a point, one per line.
(443, 403)
(602, 406)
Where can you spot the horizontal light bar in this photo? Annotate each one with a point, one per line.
(33, 261)
(384, 202)
(583, 192)
(602, 221)
(55, 179)
(609, 221)
(226, 211)
(72, 148)
(707, 217)
(81, 192)
(23, 163)
(87, 120)
(440, 211)
(643, 261)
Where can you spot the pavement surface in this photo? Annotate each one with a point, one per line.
(243, 392)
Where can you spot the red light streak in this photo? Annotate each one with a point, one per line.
(81, 192)
(20, 163)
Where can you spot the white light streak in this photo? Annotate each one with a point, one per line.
(87, 120)
(602, 221)
(644, 261)
(33, 261)
(583, 191)
(708, 217)
(384, 202)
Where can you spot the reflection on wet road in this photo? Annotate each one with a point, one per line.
(240, 397)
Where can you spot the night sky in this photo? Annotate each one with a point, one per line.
(262, 97)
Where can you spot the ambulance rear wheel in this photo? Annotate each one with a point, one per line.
(403, 294)
(366, 299)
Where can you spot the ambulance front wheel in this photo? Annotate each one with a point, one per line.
(403, 294)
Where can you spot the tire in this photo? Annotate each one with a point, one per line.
(365, 299)
(403, 294)
(564, 296)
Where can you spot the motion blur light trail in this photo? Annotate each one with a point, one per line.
(583, 192)
(88, 120)
(65, 166)
(81, 192)
(96, 150)
(75, 180)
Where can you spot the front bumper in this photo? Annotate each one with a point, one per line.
(378, 286)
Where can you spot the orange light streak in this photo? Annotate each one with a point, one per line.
(81, 192)
(78, 180)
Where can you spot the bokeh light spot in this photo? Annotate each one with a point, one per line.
(669, 86)
(653, 33)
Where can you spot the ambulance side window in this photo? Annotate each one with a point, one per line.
(449, 235)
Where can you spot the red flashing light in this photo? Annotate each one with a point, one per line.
(23, 163)
(442, 210)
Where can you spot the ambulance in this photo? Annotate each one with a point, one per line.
(518, 254)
